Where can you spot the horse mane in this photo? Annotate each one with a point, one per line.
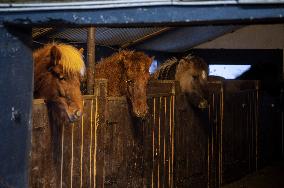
(71, 58)
(167, 69)
(118, 57)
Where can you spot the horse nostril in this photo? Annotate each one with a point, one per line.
(78, 113)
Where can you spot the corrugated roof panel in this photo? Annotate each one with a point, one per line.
(104, 36)
(37, 32)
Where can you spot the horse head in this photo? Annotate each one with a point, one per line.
(192, 74)
(135, 77)
(57, 80)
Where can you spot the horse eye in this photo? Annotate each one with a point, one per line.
(129, 81)
(68, 97)
(61, 77)
(195, 77)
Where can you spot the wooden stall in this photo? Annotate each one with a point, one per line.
(107, 148)
(175, 146)
(239, 129)
(233, 119)
(246, 131)
(271, 126)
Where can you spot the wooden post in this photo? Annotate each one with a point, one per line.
(91, 60)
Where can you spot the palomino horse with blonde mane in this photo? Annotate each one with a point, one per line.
(58, 71)
(192, 74)
(128, 74)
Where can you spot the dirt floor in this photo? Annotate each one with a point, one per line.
(269, 177)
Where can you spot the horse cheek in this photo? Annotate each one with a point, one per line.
(63, 108)
(186, 84)
(140, 99)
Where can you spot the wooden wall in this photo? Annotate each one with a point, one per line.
(175, 146)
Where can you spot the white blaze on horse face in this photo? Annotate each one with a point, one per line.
(185, 81)
(83, 71)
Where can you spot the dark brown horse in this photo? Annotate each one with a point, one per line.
(128, 74)
(58, 71)
(192, 74)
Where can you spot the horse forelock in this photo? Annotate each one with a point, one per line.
(128, 59)
(197, 62)
(138, 61)
(71, 58)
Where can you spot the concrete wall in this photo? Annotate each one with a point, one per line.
(250, 37)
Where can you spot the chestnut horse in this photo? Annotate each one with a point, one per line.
(58, 71)
(128, 74)
(192, 74)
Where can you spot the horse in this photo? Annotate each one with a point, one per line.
(128, 74)
(192, 74)
(58, 70)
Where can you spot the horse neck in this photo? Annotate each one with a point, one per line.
(112, 71)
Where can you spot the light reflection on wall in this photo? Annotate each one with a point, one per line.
(228, 71)
(153, 66)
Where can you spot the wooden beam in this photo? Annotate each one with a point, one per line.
(91, 60)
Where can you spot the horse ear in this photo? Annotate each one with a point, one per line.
(182, 63)
(81, 50)
(55, 55)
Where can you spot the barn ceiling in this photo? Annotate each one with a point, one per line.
(164, 39)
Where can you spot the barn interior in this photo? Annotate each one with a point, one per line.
(242, 52)
(251, 54)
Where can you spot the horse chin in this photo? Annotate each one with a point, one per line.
(73, 117)
(140, 116)
(203, 104)
(197, 101)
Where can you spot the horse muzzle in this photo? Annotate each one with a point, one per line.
(203, 104)
(74, 116)
(140, 113)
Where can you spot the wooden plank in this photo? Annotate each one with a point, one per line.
(67, 159)
(149, 146)
(162, 141)
(100, 126)
(161, 88)
(167, 137)
(42, 151)
(77, 139)
(156, 149)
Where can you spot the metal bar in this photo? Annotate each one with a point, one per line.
(78, 3)
(104, 4)
(8, 7)
(91, 60)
